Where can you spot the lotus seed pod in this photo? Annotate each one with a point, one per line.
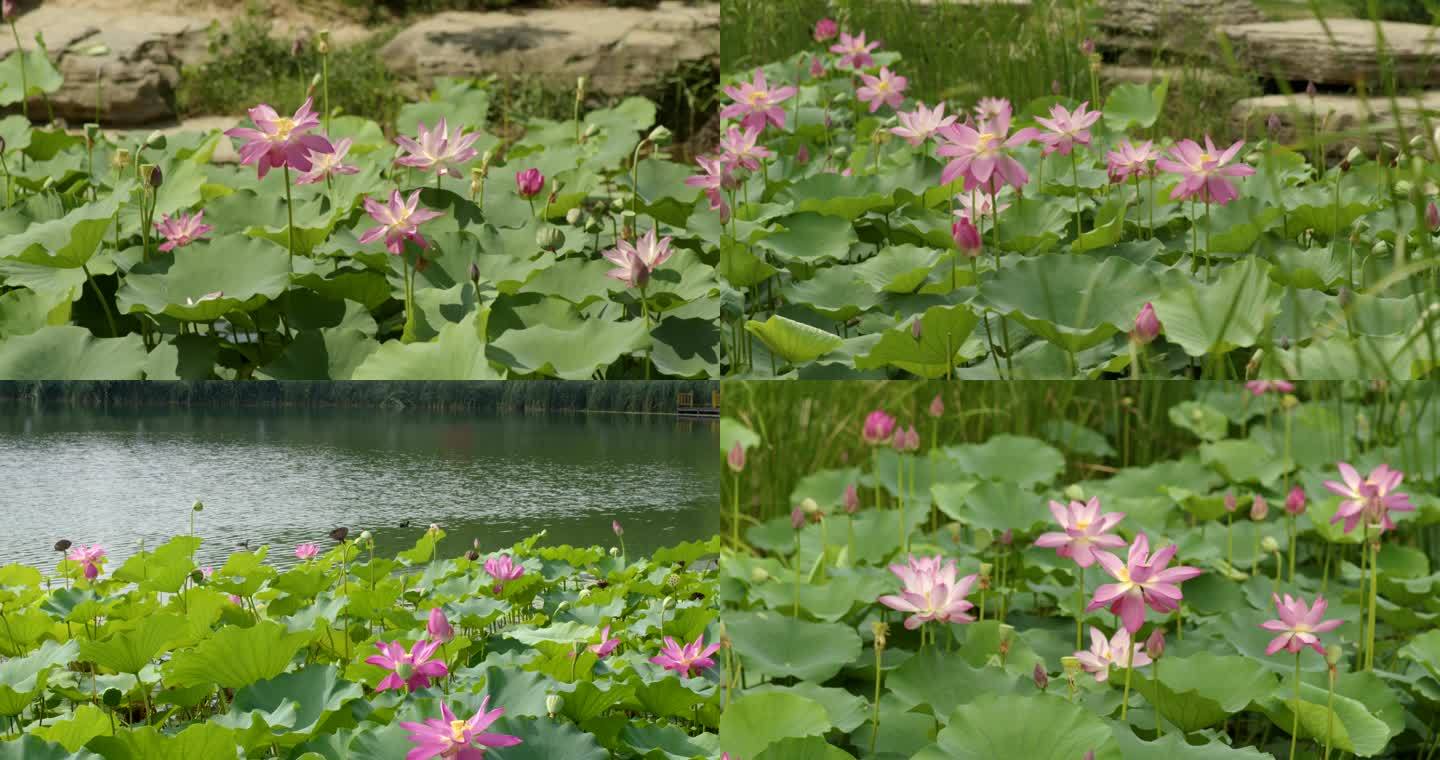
(322, 42)
(881, 632)
(659, 135)
(1289, 401)
(1333, 654)
(759, 575)
(614, 551)
(550, 238)
(1269, 545)
(1379, 248)
(63, 545)
(197, 507)
(1345, 296)
(1254, 157)
(112, 697)
(365, 537)
(151, 175)
(584, 594)
(574, 216)
(553, 703)
(156, 140)
(1075, 492)
(808, 506)
(473, 555)
(591, 130)
(1355, 155)
(2, 144)
(1070, 666)
(672, 580)
(1042, 679)
(1403, 187)
(592, 225)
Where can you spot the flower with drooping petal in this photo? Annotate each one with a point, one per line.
(635, 263)
(438, 626)
(1370, 500)
(280, 140)
(1065, 128)
(503, 569)
(741, 148)
(1143, 580)
(854, 51)
(917, 126)
(735, 458)
(329, 163)
(412, 670)
(1085, 531)
(1147, 325)
(826, 29)
(306, 552)
(400, 220)
(450, 739)
(980, 154)
(931, 592)
(887, 89)
(529, 183)
(606, 645)
(437, 150)
(1103, 654)
(878, 427)
(988, 109)
(91, 557)
(683, 659)
(757, 103)
(1262, 387)
(715, 177)
(1130, 160)
(181, 230)
(1203, 171)
(1298, 625)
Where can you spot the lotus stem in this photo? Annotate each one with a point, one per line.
(1159, 720)
(1075, 172)
(1329, 708)
(1295, 721)
(1374, 592)
(1079, 607)
(24, 83)
(1129, 668)
(735, 515)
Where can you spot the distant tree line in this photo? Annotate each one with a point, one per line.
(617, 396)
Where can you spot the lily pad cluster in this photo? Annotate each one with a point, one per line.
(938, 597)
(158, 658)
(106, 273)
(871, 235)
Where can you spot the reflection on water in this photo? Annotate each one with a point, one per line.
(285, 476)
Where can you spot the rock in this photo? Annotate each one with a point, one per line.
(1111, 74)
(621, 50)
(1301, 50)
(135, 57)
(1171, 25)
(1344, 121)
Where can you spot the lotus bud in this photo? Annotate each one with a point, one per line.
(759, 575)
(1155, 645)
(156, 140)
(438, 627)
(1345, 296)
(882, 634)
(915, 329)
(1230, 503)
(797, 518)
(659, 136)
(474, 272)
(1042, 679)
(1269, 545)
(966, 237)
(1355, 155)
(852, 499)
(1333, 654)
(614, 551)
(1087, 46)
(574, 216)
(1284, 342)
(1258, 508)
(1147, 325)
(120, 161)
(1055, 88)
(1432, 215)
(553, 703)
(1295, 501)
(1310, 89)
(1007, 537)
(937, 406)
(1272, 125)
(735, 458)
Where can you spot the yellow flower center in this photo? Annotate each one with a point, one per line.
(882, 86)
(1082, 524)
(759, 97)
(457, 731)
(283, 127)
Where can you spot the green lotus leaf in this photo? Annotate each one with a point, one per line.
(1033, 227)
(779, 645)
(1173, 746)
(1350, 726)
(754, 722)
(793, 341)
(34, 747)
(1059, 297)
(65, 243)
(943, 332)
(68, 352)
(574, 354)
(898, 269)
(247, 273)
(148, 743)
(1135, 104)
(457, 354)
(806, 748)
(312, 693)
(835, 292)
(40, 75)
(1217, 317)
(1005, 726)
(1204, 689)
(130, 651)
(333, 353)
(810, 237)
(236, 657)
(1017, 459)
(943, 682)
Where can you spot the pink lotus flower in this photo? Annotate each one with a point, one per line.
(437, 150)
(980, 155)
(854, 51)
(280, 141)
(1129, 160)
(715, 177)
(1262, 387)
(1103, 654)
(977, 204)
(886, 89)
(1144, 580)
(736, 457)
(324, 164)
(529, 183)
(937, 406)
(412, 670)
(306, 552)
(917, 126)
(1259, 508)
(826, 29)
(756, 103)
(1230, 502)
(1432, 215)
(967, 237)
(438, 627)
(503, 569)
(683, 659)
(635, 263)
(1295, 501)
(878, 427)
(739, 148)
(1147, 325)
(450, 739)
(1067, 128)
(931, 592)
(1371, 500)
(7, 10)
(399, 221)
(1298, 625)
(1203, 171)
(989, 109)
(1085, 531)
(817, 67)
(606, 645)
(91, 557)
(182, 230)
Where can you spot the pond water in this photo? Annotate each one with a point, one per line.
(282, 477)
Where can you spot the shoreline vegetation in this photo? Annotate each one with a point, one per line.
(629, 397)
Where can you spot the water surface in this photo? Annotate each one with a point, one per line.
(281, 477)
